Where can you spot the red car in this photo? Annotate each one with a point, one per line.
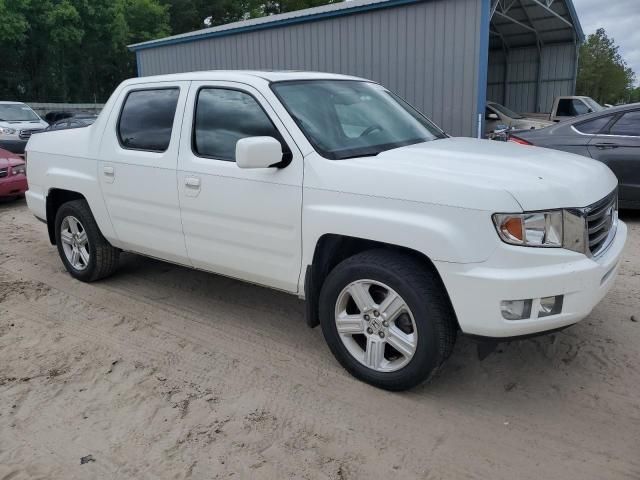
(13, 175)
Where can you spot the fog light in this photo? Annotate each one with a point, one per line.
(550, 306)
(516, 309)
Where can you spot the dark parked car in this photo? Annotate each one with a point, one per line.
(611, 136)
(56, 115)
(72, 122)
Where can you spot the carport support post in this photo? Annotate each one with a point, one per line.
(483, 63)
(538, 107)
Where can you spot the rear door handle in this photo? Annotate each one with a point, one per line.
(602, 146)
(109, 173)
(192, 185)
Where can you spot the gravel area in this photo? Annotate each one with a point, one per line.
(165, 372)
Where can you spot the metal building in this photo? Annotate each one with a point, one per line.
(446, 57)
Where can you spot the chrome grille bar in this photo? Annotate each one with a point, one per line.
(601, 223)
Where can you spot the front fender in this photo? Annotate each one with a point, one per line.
(442, 233)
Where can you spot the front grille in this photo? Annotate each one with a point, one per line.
(4, 172)
(26, 134)
(602, 220)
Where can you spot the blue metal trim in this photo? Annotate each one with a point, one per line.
(483, 62)
(138, 67)
(575, 20)
(275, 24)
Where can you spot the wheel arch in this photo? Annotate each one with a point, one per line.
(56, 197)
(331, 249)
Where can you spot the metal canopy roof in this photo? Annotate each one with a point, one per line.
(520, 23)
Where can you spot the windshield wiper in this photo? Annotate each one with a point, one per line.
(359, 155)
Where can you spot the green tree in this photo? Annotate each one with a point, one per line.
(273, 7)
(72, 50)
(76, 50)
(189, 15)
(602, 73)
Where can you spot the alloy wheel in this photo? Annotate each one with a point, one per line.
(376, 325)
(75, 243)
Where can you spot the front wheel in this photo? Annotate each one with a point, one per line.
(387, 319)
(86, 254)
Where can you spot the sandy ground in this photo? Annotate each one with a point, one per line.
(163, 372)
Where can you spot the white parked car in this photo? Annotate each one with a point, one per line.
(17, 123)
(333, 188)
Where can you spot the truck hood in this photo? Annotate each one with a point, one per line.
(479, 174)
(528, 123)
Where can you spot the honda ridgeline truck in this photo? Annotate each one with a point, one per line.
(333, 188)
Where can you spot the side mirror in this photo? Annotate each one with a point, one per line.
(492, 116)
(258, 152)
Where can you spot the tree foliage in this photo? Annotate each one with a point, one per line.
(602, 73)
(76, 50)
(72, 50)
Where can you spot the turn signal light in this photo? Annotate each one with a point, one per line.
(512, 228)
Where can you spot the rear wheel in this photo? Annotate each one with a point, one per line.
(86, 254)
(387, 319)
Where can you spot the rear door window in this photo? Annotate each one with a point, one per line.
(594, 126)
(146, 120)
(627, 125)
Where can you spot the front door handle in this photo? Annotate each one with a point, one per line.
(602, 146)
(192, 182)
(192, 185)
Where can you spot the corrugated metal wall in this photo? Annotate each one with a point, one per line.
(427, 52)
(557, 76)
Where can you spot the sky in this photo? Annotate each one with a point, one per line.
(620, 19)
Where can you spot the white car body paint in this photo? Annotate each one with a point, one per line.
(263, 225)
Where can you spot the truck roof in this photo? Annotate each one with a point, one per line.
(246, 76)
(11, 103)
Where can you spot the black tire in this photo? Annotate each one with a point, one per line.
(103, 257)
(422, 292)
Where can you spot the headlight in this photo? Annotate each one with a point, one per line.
(7, 131)
(19, 170)
(531, 229)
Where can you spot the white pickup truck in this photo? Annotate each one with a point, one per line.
(334, 189)
(567, 107)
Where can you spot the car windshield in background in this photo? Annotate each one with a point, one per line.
(351, 118)
(505, 111)
(16, 113)
(593, 105)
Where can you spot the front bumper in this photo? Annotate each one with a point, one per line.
(14, 146)
(517, 273)
(12, 186)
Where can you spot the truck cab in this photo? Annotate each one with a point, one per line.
(332, 188)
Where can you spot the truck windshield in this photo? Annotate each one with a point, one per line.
(351, 118)
(15, 112)
(593, 105)
(505, 111)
